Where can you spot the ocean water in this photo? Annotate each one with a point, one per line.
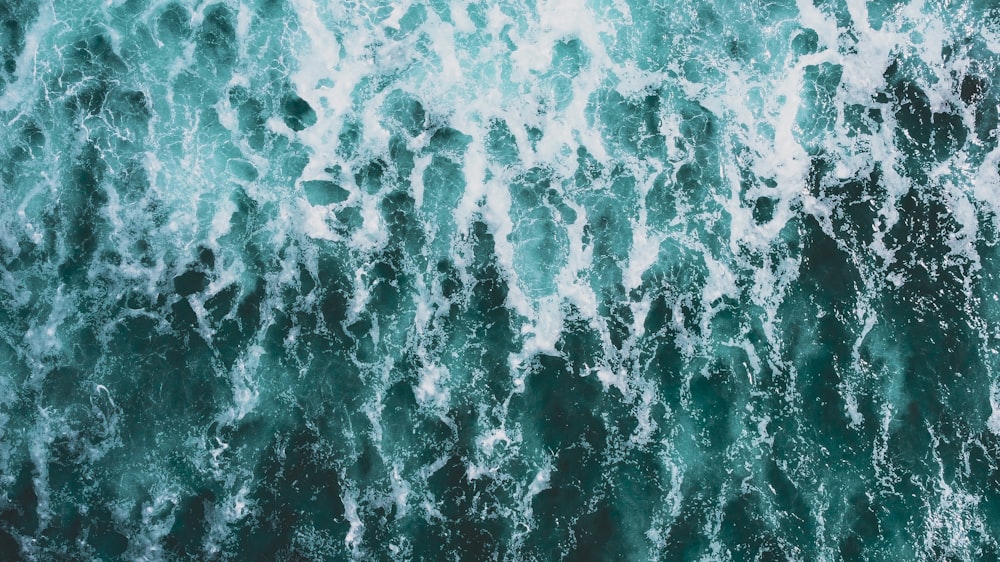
(527, 280)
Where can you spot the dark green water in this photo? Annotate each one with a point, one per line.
(569, 280)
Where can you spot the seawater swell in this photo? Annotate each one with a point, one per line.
(626, 280)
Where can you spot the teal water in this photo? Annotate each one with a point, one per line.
(576, 280)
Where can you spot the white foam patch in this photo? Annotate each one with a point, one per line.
(221, 518)
(372, 236)
(246, 392)
(547, 327)
(359, 296)
(356, 530)
(643, 254)
(986, 184)
(432, 391)
(401, 491)
(993, 422)
(41, 438)
(613, 378)
(721, 281)
(487, 443)
(157, 519)
(314, 221)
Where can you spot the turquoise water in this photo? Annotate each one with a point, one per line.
(576, 280)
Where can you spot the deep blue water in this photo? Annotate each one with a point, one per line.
(566, 280)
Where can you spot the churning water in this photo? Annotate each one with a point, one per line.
(568, 279)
